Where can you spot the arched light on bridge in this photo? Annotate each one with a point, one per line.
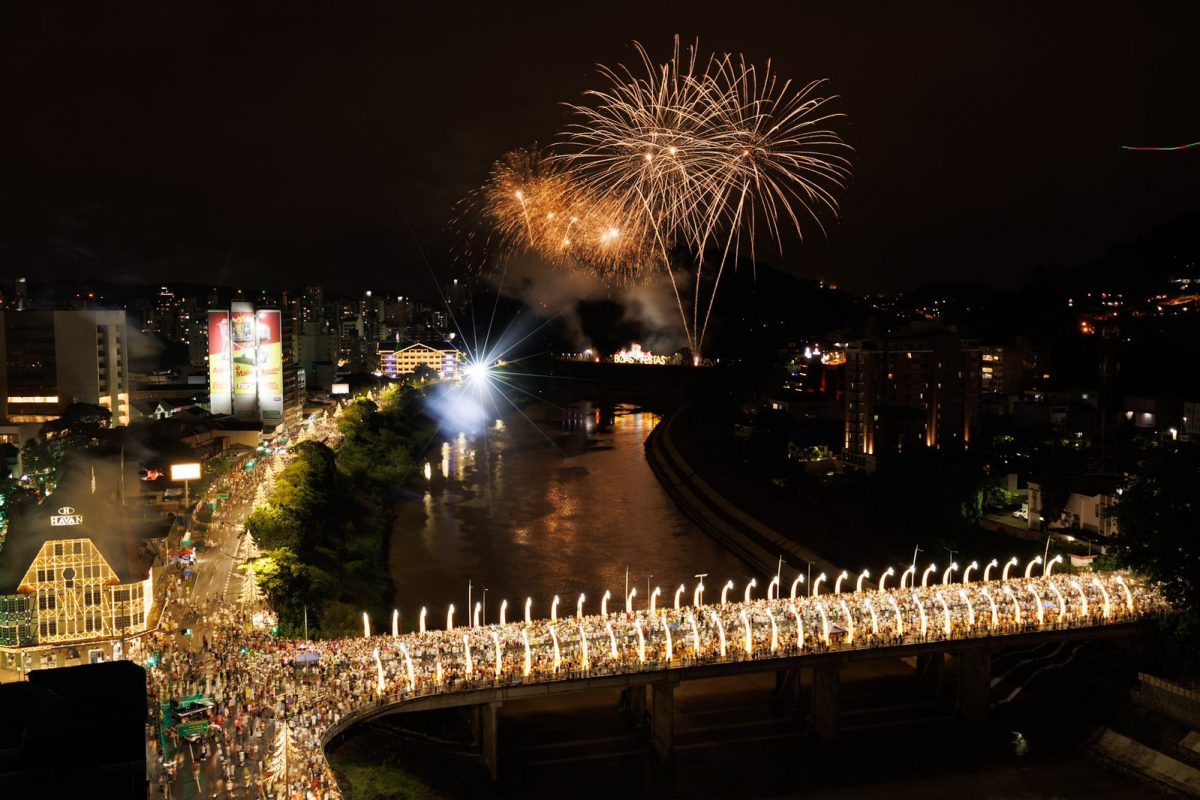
(991, 603)
(899, 620)
(554, 610)
(1104, 593)
(450, 617)
(667, 632)
(966, 599)
(1029, 567)
(720, 631)
(604, 604)
(422, 619)
(503, 609)
(629, 600)
(1016, 605)
(1120, 579)
(698, 595)
(824, 622)
(874, 618)
(1062, 604)
(925, 575)
(725, 592)
(496, 650)
(1058, 559)
(579, 607)
(749, 643)
(557, 651)
(849, 622)
(1037, 603)
(987, 571)
(967, 572)
(941, 598)
(612, 641)
(379, 672)
(583, 648)
(774, 631)
(773, 588)
(366, 626)
(861, 575)
(883, 578)
(746, 597)
(799, 627)
(1083, 605)
(395, 623)
(528, 656)
(795, 585)
(1012, 562)
(475, 616)
(921, 608)
(654, 599)
(816, 585)
(408, 665)
(437, 672)
(695, 635)
(469, 667)
(912, 570)
(837, 584)
(949, 570)
(528, 603)
(641, 642)
(679, 592)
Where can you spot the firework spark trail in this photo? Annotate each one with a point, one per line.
(1170, 149)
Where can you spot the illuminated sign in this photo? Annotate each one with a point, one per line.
(270, 365)
(185, 472)
(243, 328)
(66, 516)
(340, 388)
(219, 387)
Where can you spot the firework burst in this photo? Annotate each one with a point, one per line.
(684, 164)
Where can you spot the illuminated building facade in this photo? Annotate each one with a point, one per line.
(442, 360)
(55, 358)
(74, 572)
(251, 375)
(918, 387)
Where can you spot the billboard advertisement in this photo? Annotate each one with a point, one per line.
(270, 366)
(244, 335)
(219, 354)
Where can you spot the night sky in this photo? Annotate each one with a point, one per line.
(193, 141)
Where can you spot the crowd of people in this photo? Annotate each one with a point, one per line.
(276, 700)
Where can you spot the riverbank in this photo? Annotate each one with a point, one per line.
(754, 541)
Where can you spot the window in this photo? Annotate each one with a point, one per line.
(78, 548)
(47, 602)
(121, 596)
(58, 548)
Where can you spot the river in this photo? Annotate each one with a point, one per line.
(551, 501)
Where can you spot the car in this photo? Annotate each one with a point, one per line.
(1022, 512)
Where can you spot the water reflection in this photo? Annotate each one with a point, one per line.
(560, 503)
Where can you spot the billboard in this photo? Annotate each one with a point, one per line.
(270, 366)
(185, 472)
(340, 388)
(219, 386)
(243, 327)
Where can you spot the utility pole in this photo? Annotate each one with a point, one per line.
(916, 550)
(470, 621)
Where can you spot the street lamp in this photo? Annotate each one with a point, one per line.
(861, 575)
(1029, 567)
(837, 585)
(883, 578)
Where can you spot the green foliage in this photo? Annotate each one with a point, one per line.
(325, 524)
(1158, 517)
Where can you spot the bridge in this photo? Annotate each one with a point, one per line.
(648, 654)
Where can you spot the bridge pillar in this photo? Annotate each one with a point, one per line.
(826, 691)
(974, 684)
(632, 706)
(662, 719)
(930, 668)
(489, 737)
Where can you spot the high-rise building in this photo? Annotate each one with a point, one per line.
(1001, 369)
(917, 387)
(246, 364)
(55, 358)
(21, 295)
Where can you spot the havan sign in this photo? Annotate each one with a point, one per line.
(66, 516)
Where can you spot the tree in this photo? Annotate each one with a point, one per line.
(1158, 516)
